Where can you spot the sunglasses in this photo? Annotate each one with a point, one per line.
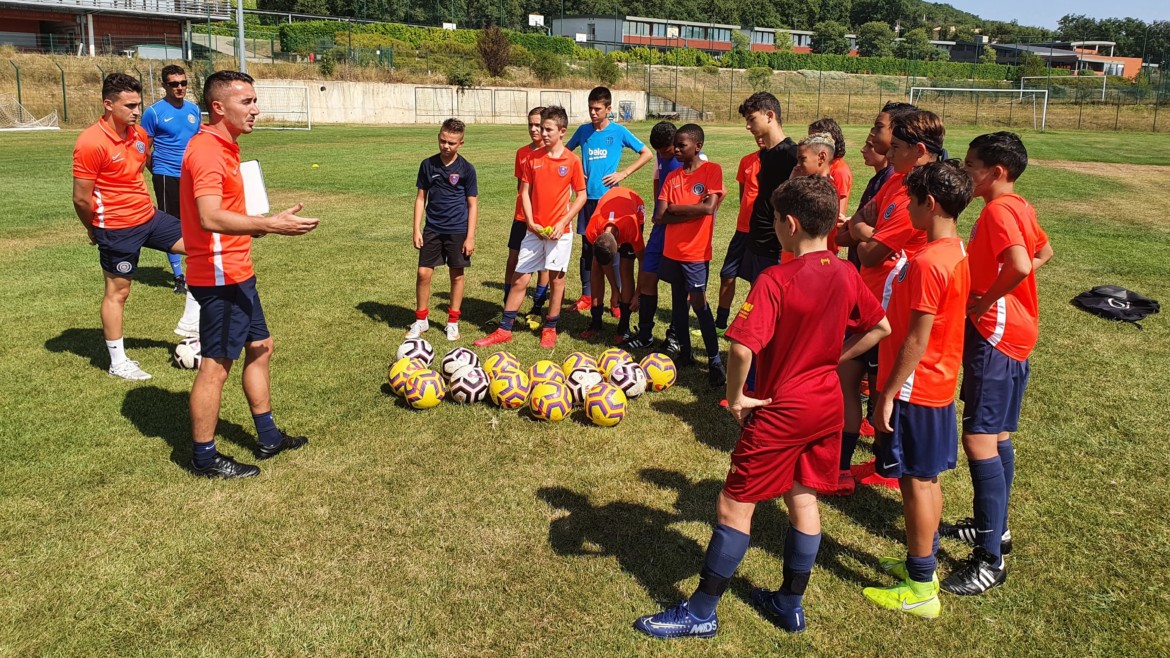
(177, 83)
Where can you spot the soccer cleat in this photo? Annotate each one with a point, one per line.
(638, 343)
(187, 330)
(129, 370)
(494, 338)
(548, 338)
(684, 361)
(896, 567)
(787, 620)
(624, 338)
(418, 328)
(225, 468)
(616, 312)
(286, 443)
(866, 429)
(671, 346)
(902, 597)
(452, 331)
(716, 374)
(677, 622)
(976, 575)
(180, 285)
(866, 473)
(964, 530)
(846, 484)
(584, 303)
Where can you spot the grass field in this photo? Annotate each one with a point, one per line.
(472, 531)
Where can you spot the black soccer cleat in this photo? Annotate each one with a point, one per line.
(964, 530)
(976, 575)
(716, 374)
(286, 443)
(180, 285)
(637, 342)
(225, 468)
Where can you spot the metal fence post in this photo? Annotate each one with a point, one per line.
(19, 98)
(1117, 116)
(65, 99)
(731, 96)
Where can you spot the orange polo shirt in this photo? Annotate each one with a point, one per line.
(114, 164)
(211, 167)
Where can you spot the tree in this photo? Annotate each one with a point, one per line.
(829, 38)
(760, 78)
(1031, 64)
(739, 41)
(547, 66)
(889, 12)
(988, 55)
(835, 10)
(875, 39)
(915, 45)
(495, 50)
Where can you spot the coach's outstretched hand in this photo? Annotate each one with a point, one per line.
(288, 223)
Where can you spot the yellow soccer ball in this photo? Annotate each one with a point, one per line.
(661, 372)
(611, 358)
(577, 361)
(550, 401)
(400, 371)
(499, 363)
(510, 389)
(605, 405)
(545, 371)
(425, 389)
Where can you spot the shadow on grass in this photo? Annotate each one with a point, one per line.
(156, 277)
(163, 414)
(476, 311)
(91, 344)
(703, 416)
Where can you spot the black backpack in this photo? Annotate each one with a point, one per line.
(1116, 303)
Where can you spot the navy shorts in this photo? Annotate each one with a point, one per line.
(585, 213)
(692, 275)
(118, 248)
(925, 442)
(752, 264)
(652, 257)
(735, 252)
(993, 386)
(516, 236)
(441, 249)
(229, 318)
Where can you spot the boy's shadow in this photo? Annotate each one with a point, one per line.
(476, 311)
(90, 343)
(709, 422)
(163, 414)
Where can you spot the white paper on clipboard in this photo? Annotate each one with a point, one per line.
(255, 193)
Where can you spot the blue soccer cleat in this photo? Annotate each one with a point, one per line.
(677, 622)
(787, 620)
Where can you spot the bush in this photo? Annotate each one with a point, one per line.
(760, 78)
(521, 56)
(786, 61)
(302, 37)
(605, 71)
(461, 74)
(328, 63)
(495, 50)
(547, 66)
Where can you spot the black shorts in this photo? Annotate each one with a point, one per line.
(692, 276)
(735, 251)
(752, 264)
(443, 249)
(119, 248)
(166, 194)
(626, 250)
(230, 317)
(584, 214)
(516, 236)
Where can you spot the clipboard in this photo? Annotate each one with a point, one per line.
(255, 192)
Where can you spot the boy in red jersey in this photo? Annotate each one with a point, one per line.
(1003, 323)
(520, 226)
(615, 229)
(918, 369)
(792, 322)
(548, 181)
(839, 171)
(686, 205)
(749, 188)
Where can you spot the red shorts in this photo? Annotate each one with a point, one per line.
(763, 467)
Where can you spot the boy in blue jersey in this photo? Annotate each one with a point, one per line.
(448, 197)
(601, 143)
(170, 123)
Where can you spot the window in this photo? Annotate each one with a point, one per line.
(721, 34)
(660, 29)
(766, 38)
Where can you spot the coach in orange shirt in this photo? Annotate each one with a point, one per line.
(220, 275)
(110, 198)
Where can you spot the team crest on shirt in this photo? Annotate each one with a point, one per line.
(563, 170)
(140, 147)
(889, 211)
(190, 118)
(609, 140)
(698, 189)
(903, 273)
(453, 179)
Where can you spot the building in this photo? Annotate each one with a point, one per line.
(633, 31)
(1082, 57)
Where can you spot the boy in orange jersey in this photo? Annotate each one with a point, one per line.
(839, 171)
(548, 181)
(687, 204)
(614, 230)
(918, 369)
(520, 226)
(1003, 323)
(749, 188)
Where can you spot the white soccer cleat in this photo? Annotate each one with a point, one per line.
(129, 370)
(418, 328)
(452, 331)
(187, 330)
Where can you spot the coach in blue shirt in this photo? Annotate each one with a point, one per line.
(170, 123)
(601, 143)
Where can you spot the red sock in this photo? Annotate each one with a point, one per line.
(453, 316)
(421, 315)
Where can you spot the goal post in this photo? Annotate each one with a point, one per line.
(1078, 78)
(283, 107)
(13, 117)
(919, 95)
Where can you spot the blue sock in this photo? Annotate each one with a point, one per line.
(507, 291)
(990, 500)
(724, 553)
(266, 429)
(921, 569)
(204, 454)
(647, 309)
(1007, 456)
(934, 545)
(541, 294)
(800, 552)
(550, 322)
(848, 445)
(508, 320)
(710, 336)
(176, 264)
(721, 317)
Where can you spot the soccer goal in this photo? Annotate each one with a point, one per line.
(1079, 78)
(14, 117)
(963, 99)
(283, 108)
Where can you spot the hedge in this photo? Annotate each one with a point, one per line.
(788, 61)
(302, 37)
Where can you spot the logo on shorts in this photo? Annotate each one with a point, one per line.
(889, 211)
(190, 118)
(123, 267)
(140, 147)
(453, 178)
(563, 170)
(698, 188)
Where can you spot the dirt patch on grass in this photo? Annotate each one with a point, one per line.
(1126, 172)
(1138, 184)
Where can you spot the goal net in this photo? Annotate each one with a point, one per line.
(13, 116)
(283, 108)
(985, 107)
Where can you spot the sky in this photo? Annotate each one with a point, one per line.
(1045, 14)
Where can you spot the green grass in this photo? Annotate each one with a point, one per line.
(472, 531)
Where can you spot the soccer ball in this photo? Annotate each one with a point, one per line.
(605, 405)
(499, 363)
(469, 384)
(400, 371)
(576, 361)
(550, 401)
(630, 378)
(187, 354)
(580, 381)
(545, 371)
(661, 373)
(509, 389)
(417, 348)
(610, 359)
(456, 359)
(424, 389)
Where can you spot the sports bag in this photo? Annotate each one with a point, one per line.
(1116, 303)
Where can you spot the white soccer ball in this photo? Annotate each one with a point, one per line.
(630, 378)
(417, 348)
(188, 354)
(456, 360)
(580, 381)
(469, 384)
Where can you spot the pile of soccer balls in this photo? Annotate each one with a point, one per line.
(600, 386)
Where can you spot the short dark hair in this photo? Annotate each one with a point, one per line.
(604, 247)
(950, 186)
(601, 94)
(1005, 149)
(830, 126)
(692, 130)
(116, 83)
(536, 110)
(761, 101)
(812, 200)
(169, 70)
(897, 108)
(556, 113)
(219, 80)
(922, 127)
(453, 126)
(662, 135)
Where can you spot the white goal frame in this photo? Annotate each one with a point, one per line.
(916, 92)
(1104, 80)
(284, 113)
(14, 118)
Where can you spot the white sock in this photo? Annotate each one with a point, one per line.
(190, 312)
(117, 352)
